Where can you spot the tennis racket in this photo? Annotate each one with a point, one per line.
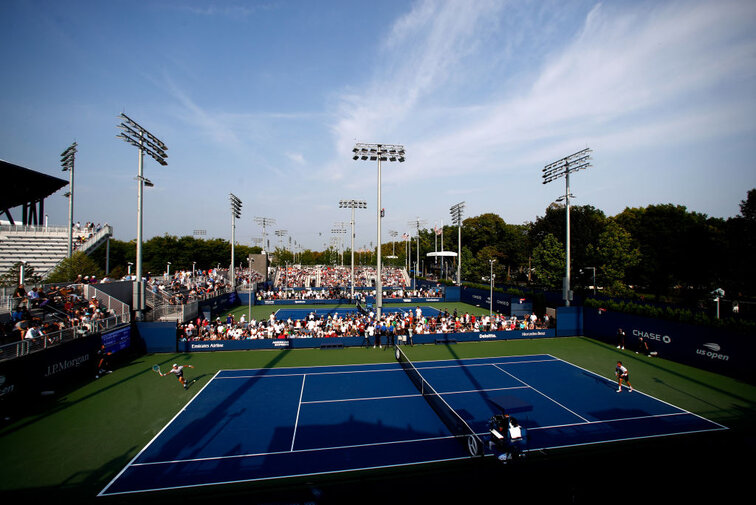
(156, 368)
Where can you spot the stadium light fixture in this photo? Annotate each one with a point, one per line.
(338, 230)
(553, 171)
(281, 234)
(393, 234)
(379, 153)
(264, 222)
(67, 159)
(236, 206)
(146, 142)
(417, 223)
(352, 204)
(456, 215)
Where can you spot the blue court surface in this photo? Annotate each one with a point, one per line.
(283, 314)
(248, 425)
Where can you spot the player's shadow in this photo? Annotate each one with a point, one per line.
(194, 380)
(600, 381)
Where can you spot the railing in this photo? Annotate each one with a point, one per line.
(94, 241)
(27, 346)
(163, 310)
(32, 230)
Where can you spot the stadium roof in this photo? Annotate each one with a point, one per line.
(21, 185)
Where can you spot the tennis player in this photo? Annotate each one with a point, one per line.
(622, 375)
(178, 371)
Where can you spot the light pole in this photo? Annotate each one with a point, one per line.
(490, 301)
(236, 206)
(352, 204)
(67, 158)
(594, 278)
(339, 230)
(264, 222)
(281, 234)
(417, 223)
(553, 171)
(379, 152)
(146, 142)
(456, 215)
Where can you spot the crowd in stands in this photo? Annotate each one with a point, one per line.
(185, 286)
(83, 233)
(337, 276)
(366, 325)
(336, 293)
(39, 313)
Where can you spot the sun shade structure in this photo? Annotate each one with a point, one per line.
(27, 188)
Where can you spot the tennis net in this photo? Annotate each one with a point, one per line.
(458, 426)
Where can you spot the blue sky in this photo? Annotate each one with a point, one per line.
(265, 99)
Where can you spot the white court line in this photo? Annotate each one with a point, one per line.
(721, 426)
(299, 409)
(543, 394)
(298, 451)
(131, 463)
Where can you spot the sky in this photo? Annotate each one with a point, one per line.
(265, 99)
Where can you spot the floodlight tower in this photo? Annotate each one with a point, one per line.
(236, 206)
(264, 222)
(379, 152)
(456, 215)
(393, 234)
(352, 204)
(553, 171)
(67, 162)
(417, 223)
(281, 234)
(338, 230)
(146, 142)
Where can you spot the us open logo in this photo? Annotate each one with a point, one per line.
(712, 350)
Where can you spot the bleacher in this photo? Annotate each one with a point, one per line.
(42, 247)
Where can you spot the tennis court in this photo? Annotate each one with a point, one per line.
(294, 313)
(248, 425)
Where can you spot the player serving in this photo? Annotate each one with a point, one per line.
(622, 375)
(178, 371)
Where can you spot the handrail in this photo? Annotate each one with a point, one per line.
(26, 346)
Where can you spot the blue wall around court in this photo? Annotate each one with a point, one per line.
(309, 343)
(158, 337)
(714, 349)
(503, 303)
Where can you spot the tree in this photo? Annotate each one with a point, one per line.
(549, 262)
(679, 249)
(615, 252)
(70, 268)
(586, 224)
(11, 277)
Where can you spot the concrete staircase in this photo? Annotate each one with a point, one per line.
(42, 247)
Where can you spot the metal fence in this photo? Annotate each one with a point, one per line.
(27, 346)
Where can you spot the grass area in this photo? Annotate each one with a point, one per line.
(70, 446)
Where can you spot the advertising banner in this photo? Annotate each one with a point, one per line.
(713, 349)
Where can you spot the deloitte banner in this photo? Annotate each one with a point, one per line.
(304, 343)
(713, 349)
